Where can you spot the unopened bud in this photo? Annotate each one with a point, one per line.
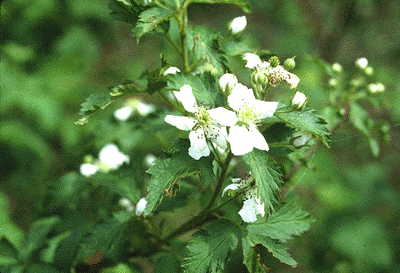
(227, 82)
(289, 64)
(141, 205)
(337, 68)
(332, 82)
(362, 63)
(298, 101)
(274, 61)
(375, 88)
(369, 71)
(237, 25)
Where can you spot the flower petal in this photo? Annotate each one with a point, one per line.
(141, 205)
(249, 211)
(112, 157)
(123, 113)
(182, 123)
(291, 79)
(223, 116)
(198, 144)
(218, 135)
(87, 169)
(265, 108)
(257, 139)
(240, 140)
(231, 187)
(252, 60)
(240, 95)
(185, 96)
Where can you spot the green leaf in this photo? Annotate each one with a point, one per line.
(168, 170)
(283, 224)
(9, 232)
(125, 13)
(266, 175)
(36, 237)
(211, 247)
(108, 237)
(306, 121)
(48, 254)
(204, 87)
(243, 4)
(278, 250)
(101, 100)
(279, 133)
(8, 254)
(205, 44)
(150, 19)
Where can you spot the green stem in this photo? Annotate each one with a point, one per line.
(182, 21)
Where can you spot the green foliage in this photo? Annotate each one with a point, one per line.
(205, 44)
(266, 174)
(168, 170)
(211, 247)
(125, 13)
(243, 4)
(150, 19)
(306, 121)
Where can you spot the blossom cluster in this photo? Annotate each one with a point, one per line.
(209, 127)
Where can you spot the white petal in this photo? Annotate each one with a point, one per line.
(249, 211)
(141, 205)
(223, 116)
(87, 169)
(240, 140)
(182, 123)
(231, 187)
(260, 207)
(238, 24)
(144, 109)
(257, 139)
(198, 144)
(171, 70)
(240, 95)
(252, 60)
(112, 157)
(291, 79)
(123, 113)
(218, 135)
(265, 108)
(185, 96)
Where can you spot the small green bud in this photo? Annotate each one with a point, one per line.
(274, 61)
(289, 64)
(369, 71)
(88, 159)
(337, 68)
(332, 82)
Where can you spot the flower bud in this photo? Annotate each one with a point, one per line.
(300, 139)
(337, 68)
(289, 64)
(237, 25)
(171, 70)
(375, 88)
(259, 78)
(332, 82)
(141, 205)
(369, 71)
(274, 61)
(298, 101)
(362, 63)
(227, 82)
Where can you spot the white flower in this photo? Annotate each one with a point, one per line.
(252, 60)
(171, 70)
(149, 160)
(252, 207)
(227, 82)
(87, 169)
(141, 205)
(112, 157)
(203, 125)
(362, 63)
(243, 134)
(123, 113)
(298, 101)
(237, 25)
(277, 74)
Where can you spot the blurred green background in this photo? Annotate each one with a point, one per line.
(54, 53)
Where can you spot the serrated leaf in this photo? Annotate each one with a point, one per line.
(243, 4)
(125, 13)
(306, 121)
(283, 224)
(101, 100)
(150, 19)
(204, 87)
(36, 237)
(278, 250)
(205, 44)
(266, 174)
(211, 247)
(169, 169)
(168, 263)
(279, 133)
(107, 237)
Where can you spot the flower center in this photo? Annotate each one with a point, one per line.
(248, 114)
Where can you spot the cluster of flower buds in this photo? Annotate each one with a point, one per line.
(252, 204)
(110, 158)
